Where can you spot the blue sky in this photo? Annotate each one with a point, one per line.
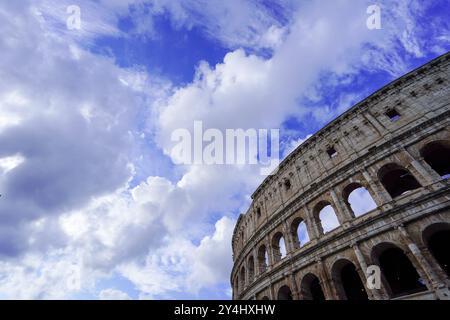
(92, 203)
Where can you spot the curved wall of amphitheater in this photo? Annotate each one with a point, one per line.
(394, 148)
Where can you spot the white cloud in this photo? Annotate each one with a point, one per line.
(9, 163)
(113, 294)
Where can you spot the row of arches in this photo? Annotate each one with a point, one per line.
(356, 198)
(399, 273)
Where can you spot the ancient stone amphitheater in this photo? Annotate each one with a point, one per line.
(369, 189)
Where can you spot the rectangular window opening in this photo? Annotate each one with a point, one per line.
(332, 152)
(393, 115)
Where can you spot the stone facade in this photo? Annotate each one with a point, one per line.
(394, 145)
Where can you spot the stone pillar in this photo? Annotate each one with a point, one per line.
(436, 266)
(374, 122)
(269, 253)
(272, 291)
(290, 248)
(326, 282)
(433, 176)
(295, 178)
(418, 170)
(311, 224)
(308, 173)
(256, 272)
(279, 189)
(295, 292)
(379, 193)
(439, 287)
(347, 145)
(343, 213)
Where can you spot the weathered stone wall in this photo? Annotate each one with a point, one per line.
(353, 150)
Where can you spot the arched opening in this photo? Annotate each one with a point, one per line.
(358, 199)
(284, 293)
(437, 238)
(278, 247)
(263, 259)
(398, 271)
(311, 288)
(242, 278)
(299, 232)
(437, 155)
(348, 282)
(397, 180)
(327, 217)
(251, 269)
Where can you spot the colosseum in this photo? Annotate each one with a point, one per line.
(365, 198)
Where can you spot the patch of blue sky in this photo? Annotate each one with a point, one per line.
(169, 51)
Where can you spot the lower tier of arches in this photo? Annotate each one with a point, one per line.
(408, 262)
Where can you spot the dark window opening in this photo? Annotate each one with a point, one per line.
(258, 212)
(316, 290)
(352, 284)
(397, 180)
(438, 244)
(437, 155)
(393, 115)
(399, 273)
(284, 293)
(287, 184)
(311, 288)
(263, 259)
(332, 152)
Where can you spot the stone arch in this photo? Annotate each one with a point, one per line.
(263, 258)
(311, 288)
(325, 217)
(358, 199)
(278, 247)
(251, 269)
(299, 232)
(437, 154)
(397, 180)
(399, 273)
(347, 281)
(284, 293)
(437, 237)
